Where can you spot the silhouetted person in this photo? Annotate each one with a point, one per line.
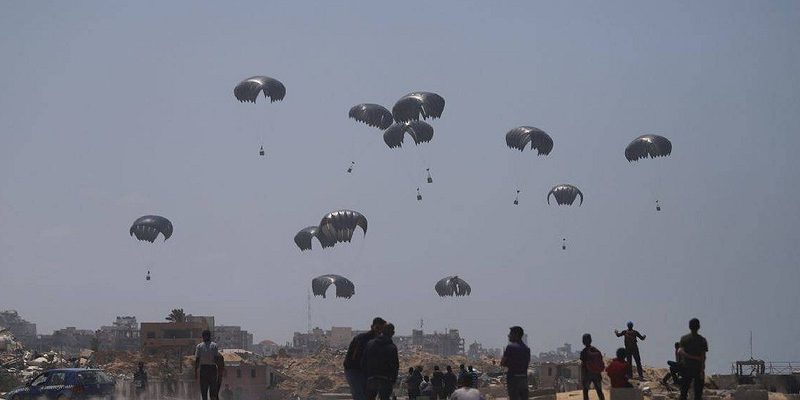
(674, 368)
(413, 381)
(617, 370)
(140, 381)
(516, 358)
(450, 381)
(425, 388)
(437, 381)
(466, 391)
(462, 372)
(632, 348)
(352, 361)
(205, 361)
(693, 356)
(591, 367)
(381, 364)
(474, 375)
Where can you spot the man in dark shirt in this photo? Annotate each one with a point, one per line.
(437, 382)
(674, 368)
(693, 357)
(381, 364)
(140, 381)
(462, 372)
(450, 381)
(352, 362)
(632, 348)
(516, 358)
(590, 370)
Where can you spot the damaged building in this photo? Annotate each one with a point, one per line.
(233, 337)
(23, 331)
(122, 335)
(443, 344)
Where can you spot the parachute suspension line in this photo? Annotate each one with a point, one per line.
(516, 198)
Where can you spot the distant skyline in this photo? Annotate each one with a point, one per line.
(112, 111)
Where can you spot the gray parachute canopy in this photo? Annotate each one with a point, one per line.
(420, 131)
(303, 238)
(565, 194)
(339, 226)
(344, 288)
(374, 115)
(519, 137)
(648, 146)
(149, 226)
(418, 104)
(248, 89)
(452, 286)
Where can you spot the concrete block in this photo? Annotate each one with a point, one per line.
(627, 394)
(746, 392)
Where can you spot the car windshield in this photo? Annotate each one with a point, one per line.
(94, 377)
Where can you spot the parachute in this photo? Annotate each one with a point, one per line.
(303, 238)
(374, 115)
(452, 286)
(519, 137)
(420, 131)
(344, 287)
(565, 194)
(418, 104)
(645, 146)
(248, 89)
(149, 226)
(339, 226)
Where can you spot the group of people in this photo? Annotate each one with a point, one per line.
(439, 385)
(688, 369)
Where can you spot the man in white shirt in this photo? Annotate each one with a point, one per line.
(465, 390)
(205, 355)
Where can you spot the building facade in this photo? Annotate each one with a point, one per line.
(172, 337)
(23, 331)
(122, 335)
(233, 337)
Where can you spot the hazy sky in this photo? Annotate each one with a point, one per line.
(109, 111)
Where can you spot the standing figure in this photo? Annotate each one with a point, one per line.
(632, 348)
(437, 381)
(516, 358)
(381, 364)
(693, 354)
(450, 381)
(205, 362)
(591, 368)
(352, 361)
(140, 382)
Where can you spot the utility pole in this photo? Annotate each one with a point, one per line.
(751, 345)
(309, 313)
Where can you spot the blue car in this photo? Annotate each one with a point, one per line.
(66, 384)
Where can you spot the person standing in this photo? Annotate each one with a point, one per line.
(425, 388)
(632, 348)
(474, 375)
(617, 370)
(516, 358)
(591, 368)
(352, 361)
(462, 372)
(381, 364)
(693, 355)
(412, 383)
(205, 355)
(450, 381)
(437, 381)
(140, 382)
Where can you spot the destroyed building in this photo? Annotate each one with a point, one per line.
(122, 335)
(233, 337)
(247, 376)
(172, 337)
(69, 340)
(23, 331)
(443, 344)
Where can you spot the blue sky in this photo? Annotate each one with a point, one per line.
(111, 111)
